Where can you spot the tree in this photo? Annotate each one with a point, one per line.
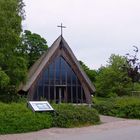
(112, 80)
(32, 47)
(11, 72)
(133, 66)
(4, 79)
(90, 73)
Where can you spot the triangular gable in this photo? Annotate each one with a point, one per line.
(85, 77)
(36, 69)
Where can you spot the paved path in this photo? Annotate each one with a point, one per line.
(108, 119)
(111, 129)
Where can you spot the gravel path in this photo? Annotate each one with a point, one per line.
(108, 119)
(111, 124)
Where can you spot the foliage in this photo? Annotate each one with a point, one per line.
(126, 107)
(112, 80)
(13, 63)
(18, 66)
(90, 73)
(133, 66)
(72, 116)
(17, 118)
(4, 79)
(32, 47)
(12, 66)
(136, 87)
(9, 94)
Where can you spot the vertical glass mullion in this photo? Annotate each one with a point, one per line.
(60, 71)
(71, 86)
(49, 84)
(54, 82)
(76, 89)
(81, 94)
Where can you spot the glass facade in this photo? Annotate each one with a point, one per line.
(59, 83)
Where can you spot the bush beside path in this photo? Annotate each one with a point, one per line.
(17, 118)
(124, 107)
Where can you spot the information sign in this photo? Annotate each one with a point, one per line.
(40, 106)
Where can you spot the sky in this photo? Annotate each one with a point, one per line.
(95, 28)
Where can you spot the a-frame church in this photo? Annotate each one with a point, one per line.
(57, 76)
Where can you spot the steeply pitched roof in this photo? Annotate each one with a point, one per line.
(41, 62)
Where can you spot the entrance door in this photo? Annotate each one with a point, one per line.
(61, 94)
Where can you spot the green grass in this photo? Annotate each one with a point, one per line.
(17, 118)
(126, 107)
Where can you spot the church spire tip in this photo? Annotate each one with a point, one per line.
(61, 26)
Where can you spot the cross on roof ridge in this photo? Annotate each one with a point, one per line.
(61, 26)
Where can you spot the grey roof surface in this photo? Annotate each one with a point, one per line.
(40, 64)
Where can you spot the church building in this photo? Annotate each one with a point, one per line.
(57, 76)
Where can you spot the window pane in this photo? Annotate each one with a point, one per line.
(79, 95)
(40, 82)
(73, 78)
(74, 94)
(45, 77)
(51, 93)
(51, 74)
(69, 93)
(63, 78)
(46, 92)
(57, 71)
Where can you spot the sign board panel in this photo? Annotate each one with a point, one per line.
(40, 106)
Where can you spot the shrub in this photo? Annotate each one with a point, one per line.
(72, 116)
(17, 118)
(126, 107)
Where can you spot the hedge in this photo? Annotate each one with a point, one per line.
(17, 118)
(126, 107)
(71, 116)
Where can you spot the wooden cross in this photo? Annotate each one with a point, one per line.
(61, 26)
